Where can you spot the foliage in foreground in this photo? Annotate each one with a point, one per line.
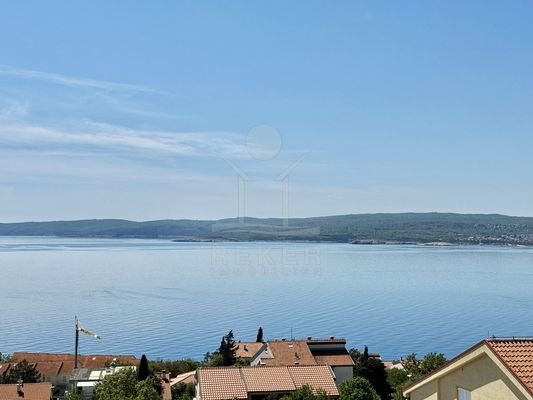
(373, 370)
(176, 367)
(398, 379)
(183, 391)
(357, 388)
(429, 363)
(306, 393)
(124, 385)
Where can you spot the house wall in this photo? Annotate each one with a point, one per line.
(427, 392)
(342, 374)
(481, 376)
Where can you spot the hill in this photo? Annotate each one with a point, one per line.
(355, 228)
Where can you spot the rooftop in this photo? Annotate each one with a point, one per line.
(247, 349)
(517, 355)
(236, 383)
(56, 363)
(185, 378)
(31, 391)
(290, 352)
(330, 351)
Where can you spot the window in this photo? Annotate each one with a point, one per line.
(463, 394)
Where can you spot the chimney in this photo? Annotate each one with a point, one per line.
(20, 388)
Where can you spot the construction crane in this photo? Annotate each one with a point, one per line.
(87, 332)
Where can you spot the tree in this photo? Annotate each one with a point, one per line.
(373, 370)
(144, 371)
(412, 366)
(183, 391)
(216, 360)
(259, 335)
(364, 357)
(227, 349)
(145, 390)
(5, 358)
(357, 388)
(73, 396)
(398, 379)
(355, 354)
(431, 362)
(175, 367)
(124, 385)
(306, 393)
(23, 371)
(121, 385)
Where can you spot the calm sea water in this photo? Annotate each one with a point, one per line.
(172, 300)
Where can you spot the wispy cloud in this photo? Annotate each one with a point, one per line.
(13, 110)
(72, 81)
(112, 138)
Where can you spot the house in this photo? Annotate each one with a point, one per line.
(59, 368)
(492, 369)
(245, 351)
(26, 391)
(258, 383)
(331, 352)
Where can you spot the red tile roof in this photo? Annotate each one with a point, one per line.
(32, 391)
(316, 376)
(49, 368)
(237, 383)
(517, 355)
(221, 384)
(267, 379)
(289, 352)
(335, 360)
(4, 368)
(49, 364)
(247, 349)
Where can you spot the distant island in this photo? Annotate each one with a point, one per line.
(402, 228)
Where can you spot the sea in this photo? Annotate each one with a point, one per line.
(173, 300)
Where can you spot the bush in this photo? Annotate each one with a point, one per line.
(357, 389)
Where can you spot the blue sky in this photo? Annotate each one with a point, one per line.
(136, 110)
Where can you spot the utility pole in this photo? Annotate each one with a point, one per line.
(77, 339)
(76, 343)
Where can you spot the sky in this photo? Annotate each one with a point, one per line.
(158, 110)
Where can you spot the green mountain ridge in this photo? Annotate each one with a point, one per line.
(352, 228)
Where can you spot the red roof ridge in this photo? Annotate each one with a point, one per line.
(510, 368)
